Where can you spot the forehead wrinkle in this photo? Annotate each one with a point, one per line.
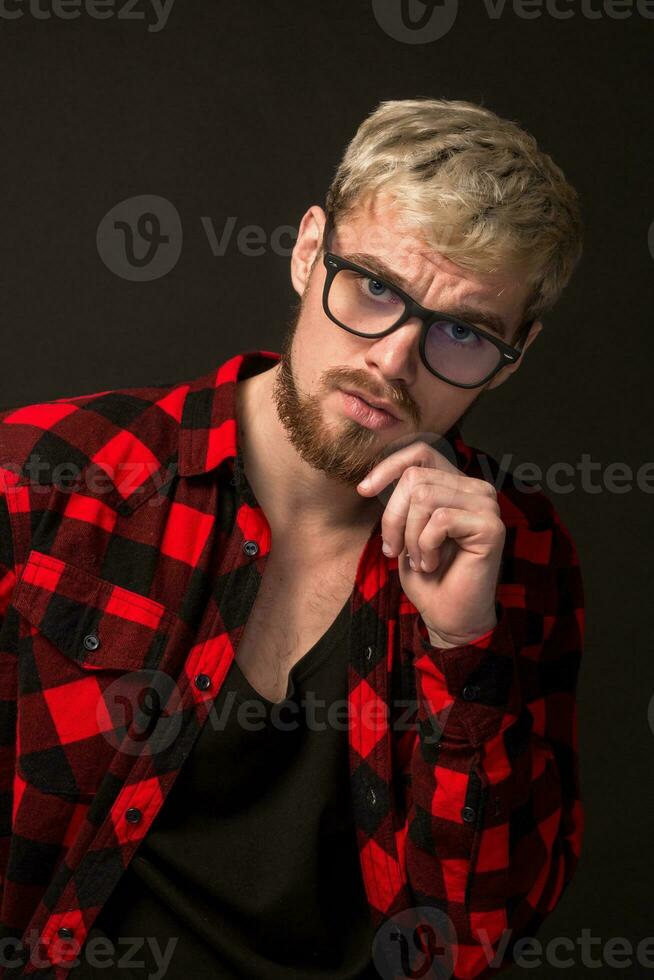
(448, 285)
(416, 261)
(455, 291)
(409, 278)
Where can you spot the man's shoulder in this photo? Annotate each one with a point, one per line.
(75, 430)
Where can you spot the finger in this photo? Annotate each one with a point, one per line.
(392, 469)
(475, 532)
(420, 510)
(411, 505)
(442, 559)
(425, 499)
(417, 453)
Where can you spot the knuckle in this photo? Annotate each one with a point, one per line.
(490, 504)
(483, 486)
(498, 527)
(413, 472)
(422, 493)
(425, 451)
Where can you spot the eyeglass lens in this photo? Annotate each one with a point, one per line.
(368, 306)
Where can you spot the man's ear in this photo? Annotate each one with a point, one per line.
(307, 247)
(502, 375)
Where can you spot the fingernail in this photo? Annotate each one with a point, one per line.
(386, 548)
(365, 484)
(411, 563)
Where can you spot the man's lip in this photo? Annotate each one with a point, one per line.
(375, 404)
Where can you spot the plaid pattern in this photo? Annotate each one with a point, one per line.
(126, 578)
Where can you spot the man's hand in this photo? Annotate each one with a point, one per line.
(450, 525)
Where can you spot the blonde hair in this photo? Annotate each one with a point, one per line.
(476, 187)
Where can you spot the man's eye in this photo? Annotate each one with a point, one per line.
(376, 287)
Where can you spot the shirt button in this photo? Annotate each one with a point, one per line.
(468, 814)
(470, 692)
(251, 548)
(371, 796)
(368, 652)
(91, 641)
(133, 815)
(202, 682)
(65, 932)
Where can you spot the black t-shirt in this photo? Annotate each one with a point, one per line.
(252, 860)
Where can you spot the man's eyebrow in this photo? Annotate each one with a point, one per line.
(473, 315)
(482, 318)
(374, 264)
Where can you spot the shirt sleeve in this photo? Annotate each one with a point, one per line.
(495, 822)
(7, 684)
(453, 679)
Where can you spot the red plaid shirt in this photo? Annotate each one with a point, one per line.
(126, 578)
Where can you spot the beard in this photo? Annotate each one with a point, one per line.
(342, 449)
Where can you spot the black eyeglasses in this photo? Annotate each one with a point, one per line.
(457, 352)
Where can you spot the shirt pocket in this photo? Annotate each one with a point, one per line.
(87, 653)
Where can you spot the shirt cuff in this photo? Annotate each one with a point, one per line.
(472, 690)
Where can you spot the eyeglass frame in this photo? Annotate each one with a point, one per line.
(510, 354)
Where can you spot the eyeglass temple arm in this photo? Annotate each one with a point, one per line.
(327, 230)
(523, 334)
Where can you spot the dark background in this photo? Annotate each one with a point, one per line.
(242, 110)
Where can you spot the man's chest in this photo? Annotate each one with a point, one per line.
(294, 606)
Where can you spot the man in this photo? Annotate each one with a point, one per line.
(169, 551)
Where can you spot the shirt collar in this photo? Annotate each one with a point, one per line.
(208, 433)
